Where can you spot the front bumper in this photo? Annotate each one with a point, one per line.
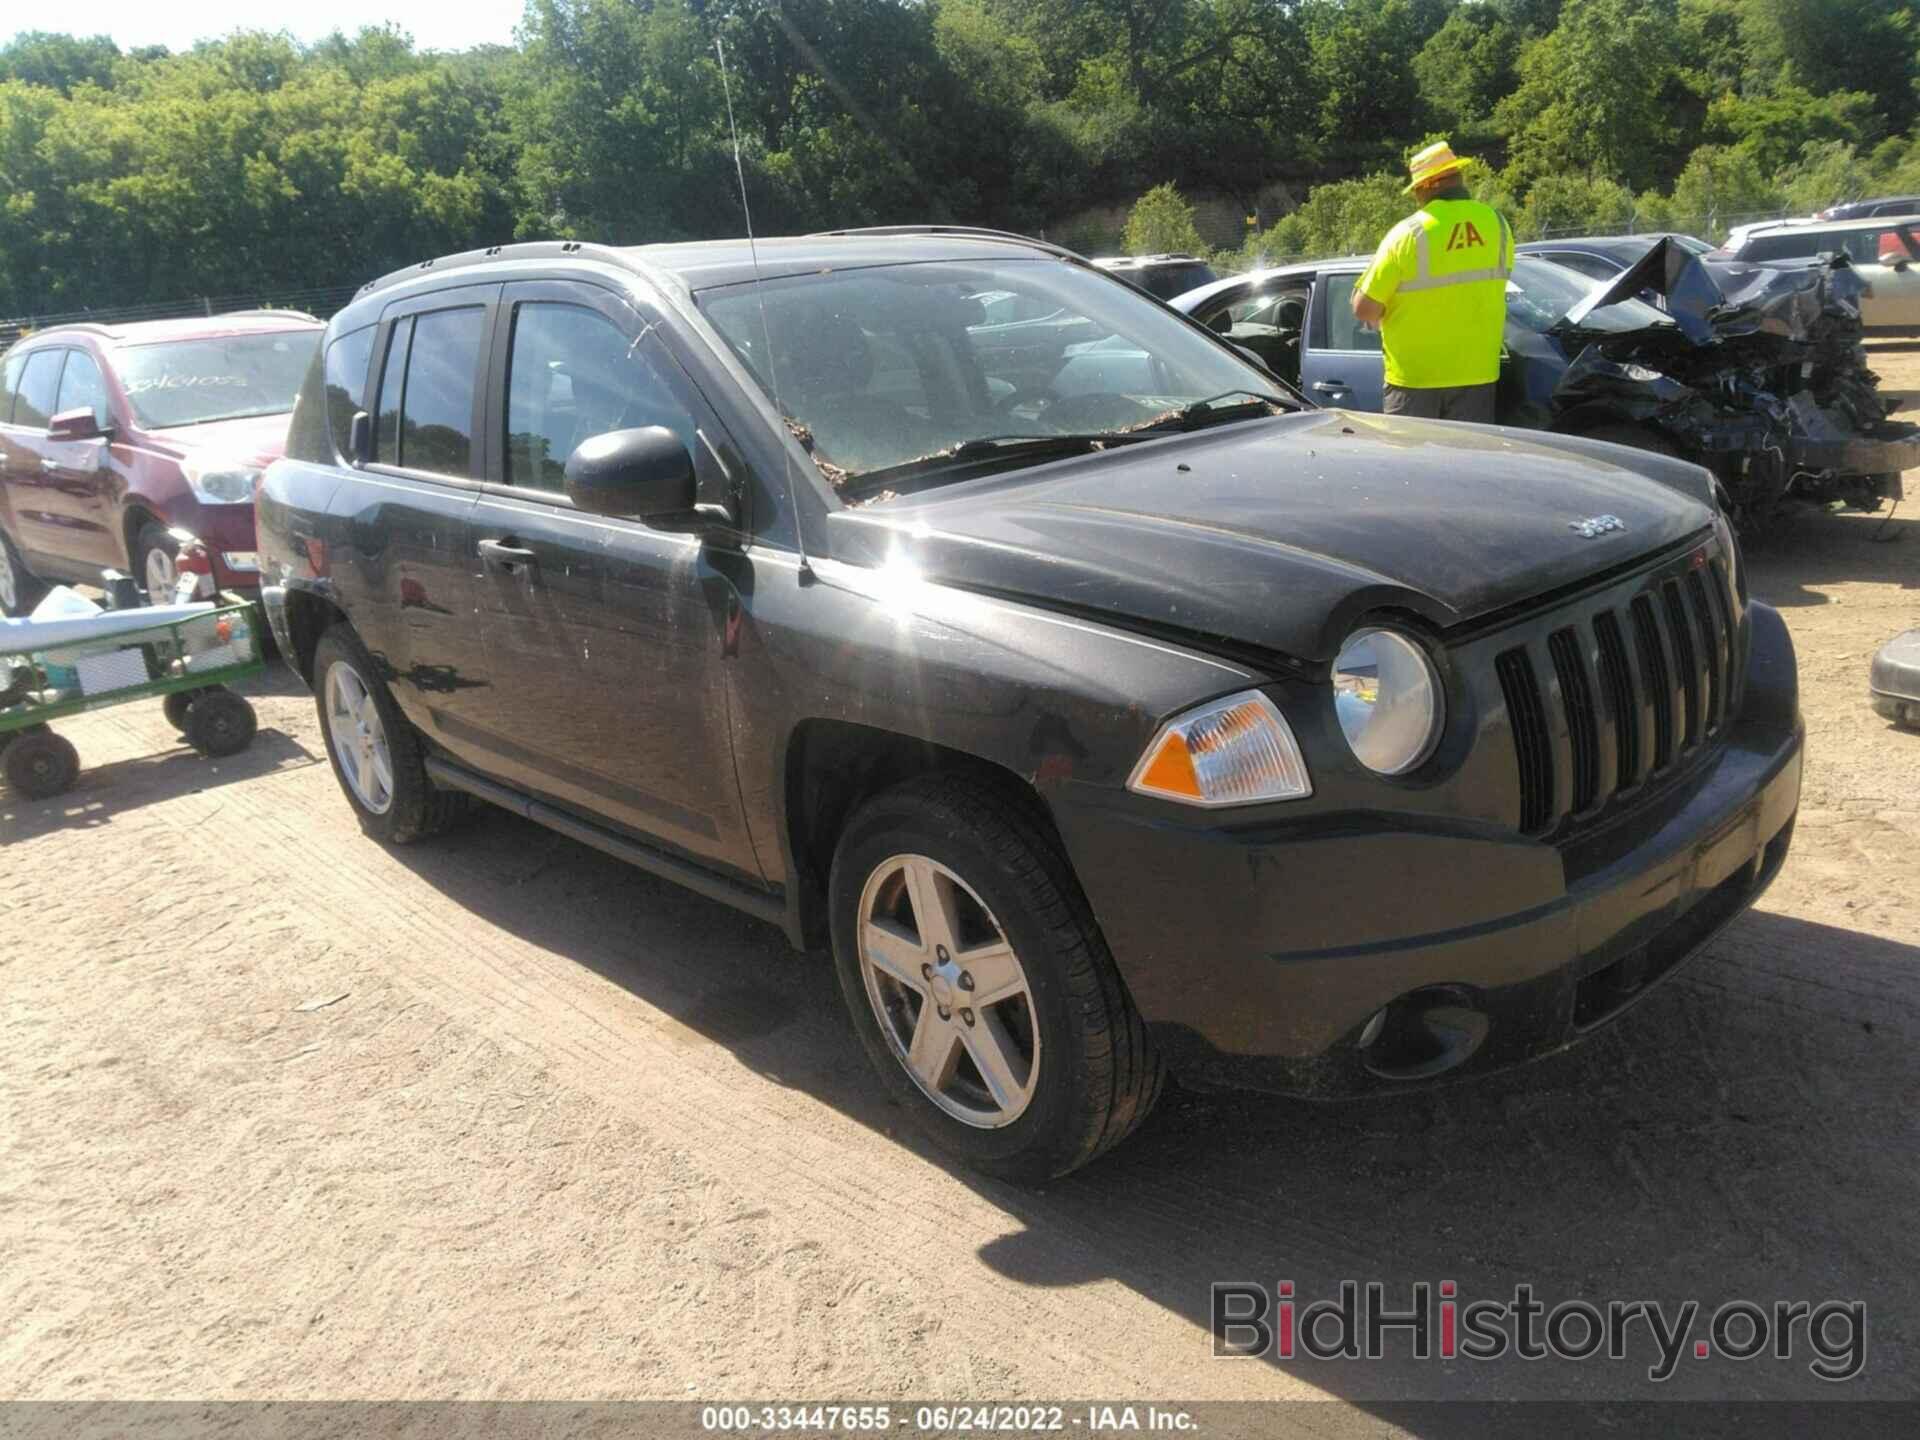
(1368, 952)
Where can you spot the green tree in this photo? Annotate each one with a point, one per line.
(1774, 128)
(1467, 67)
(1590, 99)
(1161, 221)
(1721, 186)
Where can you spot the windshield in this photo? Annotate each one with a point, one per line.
(880, 366)
(1541, 292)
(192, 382)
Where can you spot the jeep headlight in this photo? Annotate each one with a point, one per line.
(1238, 750)
(1387, 697)
(221, 482)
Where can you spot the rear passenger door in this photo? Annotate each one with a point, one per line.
(406, 513)
(1341, 362)
(605, 638)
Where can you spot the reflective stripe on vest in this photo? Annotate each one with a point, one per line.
(1425, 279)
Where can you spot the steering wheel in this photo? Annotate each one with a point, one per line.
(1023, 395)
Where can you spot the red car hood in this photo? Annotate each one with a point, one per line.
(260, 439)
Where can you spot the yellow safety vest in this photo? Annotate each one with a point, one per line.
(1442, 275)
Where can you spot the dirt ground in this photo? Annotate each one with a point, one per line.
(287, 1114)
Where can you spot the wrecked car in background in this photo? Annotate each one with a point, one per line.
(1756, 372)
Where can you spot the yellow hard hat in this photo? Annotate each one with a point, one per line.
(1436, 160)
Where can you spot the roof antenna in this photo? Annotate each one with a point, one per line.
(766, 336)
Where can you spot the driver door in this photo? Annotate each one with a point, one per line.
(605, 638)
(1341, 362)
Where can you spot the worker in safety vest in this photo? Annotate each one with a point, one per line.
(1437, 291)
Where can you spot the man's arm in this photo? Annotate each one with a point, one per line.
(1374, 290)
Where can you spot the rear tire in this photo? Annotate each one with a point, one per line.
(220, 723)
(1083, 1070)
(377, 755)
(41, 764)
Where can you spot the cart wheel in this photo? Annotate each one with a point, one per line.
(176, 705)
(220, 722)
(41, 764)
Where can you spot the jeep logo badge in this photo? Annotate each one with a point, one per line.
(1595, 526)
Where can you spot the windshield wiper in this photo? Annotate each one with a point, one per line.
(1071, 440)
(1201, 412)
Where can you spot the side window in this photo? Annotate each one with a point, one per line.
(393, 379)
(39, 387)
(1789, 246)
(436, 408)
(9, 383)
(1588, 265)
(573, 374)
(346, 382)
(1335, 328)
(81, 387)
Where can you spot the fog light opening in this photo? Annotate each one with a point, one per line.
(1424, 1033)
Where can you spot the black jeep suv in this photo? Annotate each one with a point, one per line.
(1103, 705)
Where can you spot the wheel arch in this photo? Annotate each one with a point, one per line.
(832, 768)
(308, 616)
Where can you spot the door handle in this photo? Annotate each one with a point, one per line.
(505, 555)
(1331, 387)
(48, 463)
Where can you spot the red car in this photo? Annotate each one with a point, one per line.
(113, 436)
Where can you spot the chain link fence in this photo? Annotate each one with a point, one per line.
(320, 301)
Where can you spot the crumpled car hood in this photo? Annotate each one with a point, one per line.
(1281, 533)
(1762, 360)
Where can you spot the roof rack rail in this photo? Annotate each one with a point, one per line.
(270, 313)
(975, 232)
(94, 326)
(528, 249)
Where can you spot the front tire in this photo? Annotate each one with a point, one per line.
(19, 590)
(155, 561)
(376, 754)
(980, 983)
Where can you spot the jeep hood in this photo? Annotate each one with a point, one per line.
(1281, 533)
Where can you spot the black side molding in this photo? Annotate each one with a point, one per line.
(760, 904)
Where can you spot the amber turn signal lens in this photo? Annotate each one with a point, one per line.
(1235, 751)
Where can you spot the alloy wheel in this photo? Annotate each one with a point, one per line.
(949, 992)
(161, 576)
(359, 738)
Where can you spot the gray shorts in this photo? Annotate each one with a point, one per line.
(1473, 403)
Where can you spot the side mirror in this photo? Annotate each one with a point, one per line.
(75, 425)
(644, 474)
(1222, 323)
(360, 438)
